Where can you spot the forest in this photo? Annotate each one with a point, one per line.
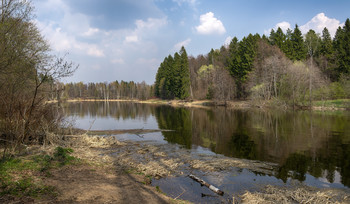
(287, 68)
(104, 90)
(290, 67)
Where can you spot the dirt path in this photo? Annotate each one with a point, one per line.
(96, 178)
(88, 184)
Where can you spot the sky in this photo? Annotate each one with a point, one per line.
(128, 39)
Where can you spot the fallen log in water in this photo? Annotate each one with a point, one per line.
(202, 182)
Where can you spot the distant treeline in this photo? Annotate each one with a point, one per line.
(290, 67)
(106, 91)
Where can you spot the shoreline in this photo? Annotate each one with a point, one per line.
(243, 104)
(109, 165)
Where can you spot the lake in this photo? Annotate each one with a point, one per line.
(312, 147)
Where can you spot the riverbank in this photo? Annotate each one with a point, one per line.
(90, 175)
(110, 171)
(339, 104)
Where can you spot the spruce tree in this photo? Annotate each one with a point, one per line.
(279, 38)
(177, 76)
(299, 51)
(272, 37)
(185, 75)
(326, 44)
(288, 45)
(342, 47)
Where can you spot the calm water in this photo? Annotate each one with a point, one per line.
(312, 147)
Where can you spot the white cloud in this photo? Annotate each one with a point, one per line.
(210, 25)
(284, 25)
(319, 22)
(184, 43)
(112, 50)
(228, 41)
(131, 39)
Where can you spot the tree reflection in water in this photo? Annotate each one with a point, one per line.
(301, 142)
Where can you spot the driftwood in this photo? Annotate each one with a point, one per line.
(202, 182)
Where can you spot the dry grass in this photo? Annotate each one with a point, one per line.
(300, 194)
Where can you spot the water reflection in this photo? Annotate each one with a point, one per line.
(315, 143)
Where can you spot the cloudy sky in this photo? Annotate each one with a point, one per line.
(127, 39)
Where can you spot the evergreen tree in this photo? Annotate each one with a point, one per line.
(272, 37)
(279, 38)
(342, 48)
(326, 59)
(177, 75)
(243, 62)
(159, 77)
(184, 74)
(266, 39)
(299, 51)
(288, 45)
(170, 80)
(326, 48)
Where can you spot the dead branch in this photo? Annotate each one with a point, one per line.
(202, 182)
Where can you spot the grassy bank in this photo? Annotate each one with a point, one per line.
(22, 177)
(333, 104)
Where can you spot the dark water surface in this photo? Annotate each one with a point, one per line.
(308, 146)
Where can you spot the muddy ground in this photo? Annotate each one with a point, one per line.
(120, 172)
(159, 160)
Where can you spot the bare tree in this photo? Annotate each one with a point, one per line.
(27, 69)
(312, 41)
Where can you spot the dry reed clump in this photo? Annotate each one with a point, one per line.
(219, 164)
(159, 168)
(148, 160)
(301, 194)
(91, 141)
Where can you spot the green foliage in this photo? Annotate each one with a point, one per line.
(242, 56)
(210, 93)
(205, 70)
(294, 84)
(312, 42)
(338, 103)
(299, 51)
(173, 77)
(16, 179)
(326, 48)
(342, 49)
(62, 155)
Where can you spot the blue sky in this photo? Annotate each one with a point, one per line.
(128, 39)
